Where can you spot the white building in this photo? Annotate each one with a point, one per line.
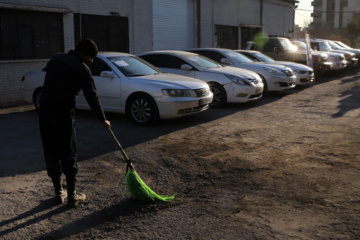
(33, 30)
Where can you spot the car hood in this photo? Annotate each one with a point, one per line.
(169, 80)
(295, 65)
(234, 71)
(262, 64)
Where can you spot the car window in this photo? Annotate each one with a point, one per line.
(203, 62)
(211, 54)
(164, 60)
(259, 57)
(132, 66)
(237, 57)
(97, 66)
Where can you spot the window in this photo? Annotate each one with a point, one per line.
(110, 33)
(211, 54)
(29, 35)
(165, 61)
(97, 66)
(226, 37)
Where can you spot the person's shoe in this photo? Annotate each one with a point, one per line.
(60, 196)
(60, 193)
(73, 199)
(76, 199)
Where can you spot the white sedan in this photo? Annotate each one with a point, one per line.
(229, 85)
(128, 84)
(275, 77)
(304, 74)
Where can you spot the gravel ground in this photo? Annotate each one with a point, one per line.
(284, 167)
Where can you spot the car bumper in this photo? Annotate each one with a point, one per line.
(339, 65)
(240, 93)
(304, 79)
(171, 107)
(281, 83)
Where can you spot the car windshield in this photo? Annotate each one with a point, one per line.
(287, 45)
(301, 46)
(203, 62)
(262, 57)
(238, 57)
(132, 66)
(341, 44)
(324, 46)
(334, 45)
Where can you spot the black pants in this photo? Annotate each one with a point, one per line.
(57, 129)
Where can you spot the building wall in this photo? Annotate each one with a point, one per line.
(277, 19)
(139, 13)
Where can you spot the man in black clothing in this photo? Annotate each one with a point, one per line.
(66, 75)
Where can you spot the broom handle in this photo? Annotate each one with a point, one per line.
(121, 149)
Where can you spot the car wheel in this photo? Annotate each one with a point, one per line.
(36, 98)
(142, 110)
(219, 98)
(265, 84)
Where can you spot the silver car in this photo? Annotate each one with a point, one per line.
(127, 84)
(275, 77)
(229, 84)
(304, 74)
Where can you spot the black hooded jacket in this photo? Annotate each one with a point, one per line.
(65, 76)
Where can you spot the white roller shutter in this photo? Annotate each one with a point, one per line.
(173, 24)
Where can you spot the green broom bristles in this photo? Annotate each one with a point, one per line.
(140, 191)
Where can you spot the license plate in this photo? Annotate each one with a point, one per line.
(204, 101)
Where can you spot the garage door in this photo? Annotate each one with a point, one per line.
(173, 24)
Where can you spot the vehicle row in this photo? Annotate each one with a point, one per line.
(327, 56)
(171, 84)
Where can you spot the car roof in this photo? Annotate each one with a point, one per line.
(108, 54)
(170, 52)
(212, 49)
(246, 50)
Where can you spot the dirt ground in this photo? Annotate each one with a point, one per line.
(284, 167)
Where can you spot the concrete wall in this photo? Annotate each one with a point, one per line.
(139, 13)
(277, 19)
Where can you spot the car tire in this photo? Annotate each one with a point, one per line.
(36, 98)
(142, 110)
(265, 84)
(219, 98)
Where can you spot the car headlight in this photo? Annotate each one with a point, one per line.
(176, 92)
(274, 71)
(237, 80)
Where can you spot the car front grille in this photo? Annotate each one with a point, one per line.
(201, 92)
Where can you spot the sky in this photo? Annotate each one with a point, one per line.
(303, 12)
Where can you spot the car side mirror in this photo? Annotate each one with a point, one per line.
(108, 74)
(186, 67)
(225, 61)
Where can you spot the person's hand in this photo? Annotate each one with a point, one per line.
(106, 124)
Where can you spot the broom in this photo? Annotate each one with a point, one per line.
(136, 187)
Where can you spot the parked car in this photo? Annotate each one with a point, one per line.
(127, 84)
(337, 59)
(304, 74)
(281, 49)
(275, 77)
(338, 45)
(228, 84)
(324, 46)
